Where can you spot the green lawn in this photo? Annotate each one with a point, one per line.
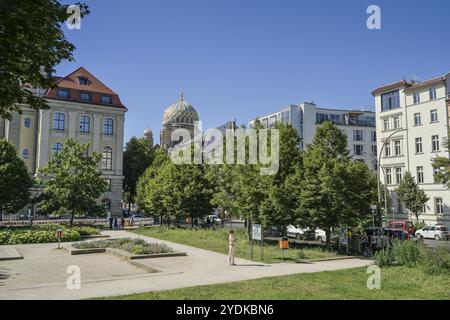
(396, 283)
(217, 240)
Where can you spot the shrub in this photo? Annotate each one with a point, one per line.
(36, 236)
(407, 253)
(384, 258)
(136, 246)
(86, 230)
(437, 261)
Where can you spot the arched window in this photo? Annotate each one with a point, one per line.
(57, 147)
(182, 119)
(107, 159)
(58, 121)
(85, 124)
(108, 126)
(177, 120)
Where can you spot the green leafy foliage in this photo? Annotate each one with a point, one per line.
(72, 182)
(36, 236)
(411, 195)
(136, 246)
(32, 43)
(14, 178)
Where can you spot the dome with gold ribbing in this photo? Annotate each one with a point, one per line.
(180, 114)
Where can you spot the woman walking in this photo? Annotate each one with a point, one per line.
(232, 247)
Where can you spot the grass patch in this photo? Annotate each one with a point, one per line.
(135, 246)
(217, 240)
(396, 283)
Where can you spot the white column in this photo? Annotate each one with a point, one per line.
(119, 145)
(97, 133)
(42, 149)
(72, 124)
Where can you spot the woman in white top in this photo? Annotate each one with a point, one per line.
(232, 246)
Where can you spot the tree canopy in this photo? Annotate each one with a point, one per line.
(411, 195)
(15, 181)
(72, 182)
(32, 43)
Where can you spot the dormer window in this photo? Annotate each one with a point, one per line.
(85, 96)
(63, 93)
(83, 81)
(106, 99)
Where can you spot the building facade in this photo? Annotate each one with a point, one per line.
(358, 126)
(412, 126)
(80, 107)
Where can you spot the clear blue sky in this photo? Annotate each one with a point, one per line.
(244, 58)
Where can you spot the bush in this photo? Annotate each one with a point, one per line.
(384, 258)
(86, 230)
(408, 253)
(36, 236)
(437, 261)
(136, 246)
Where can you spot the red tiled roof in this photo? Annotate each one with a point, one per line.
(94, 86)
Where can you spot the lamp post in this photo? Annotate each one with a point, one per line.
(384, 174)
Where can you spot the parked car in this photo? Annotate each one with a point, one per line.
(406, 225)
(306, 233)
(437, 232)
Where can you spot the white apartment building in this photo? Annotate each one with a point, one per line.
(358, 126)
(412, 124)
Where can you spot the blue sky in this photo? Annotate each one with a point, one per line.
(245, 58)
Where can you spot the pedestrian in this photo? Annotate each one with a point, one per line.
(115, 223)
(232, 247)
(110, 218)
(122, 223)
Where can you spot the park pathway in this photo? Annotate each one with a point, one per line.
(199, 267)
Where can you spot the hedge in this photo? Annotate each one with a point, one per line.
(36, 236)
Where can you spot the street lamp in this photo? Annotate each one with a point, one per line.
(384, 174)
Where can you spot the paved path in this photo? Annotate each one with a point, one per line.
(199, 267)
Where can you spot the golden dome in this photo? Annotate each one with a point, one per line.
(180, 113)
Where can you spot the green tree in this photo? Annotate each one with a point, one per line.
(411, 195)
(137, 157)
(32, 43)
(334, 190)
(441, 165)
(15, 181)
(72, 182)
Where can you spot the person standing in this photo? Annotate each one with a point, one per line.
(232, 247)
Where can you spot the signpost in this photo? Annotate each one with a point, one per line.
(257, 234)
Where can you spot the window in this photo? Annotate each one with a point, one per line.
(418, 145)
(58, 121)
(108, 126)
(272, 121)
(439, 205)
(27, 122)
(108, 184)
(63, 93)
(374, 151)
(435, 143)
(434, 115)
(57, 147)
(83, 81)
(417, 119)
(387, 149)
(85, 124)
(388, 176)
(107, 159)
(335, 118)
(358, 135)
(396, 122)
(265, 123)
(285, 116)
(419, 171)
(85, 96)
(358, 149)
(25, 154)
(386, 124)
(390, 100)
(398, 175)
(397, 147)
(106, 99)
(432, 93)
(321, 117)
(373, 136)
(416, 97)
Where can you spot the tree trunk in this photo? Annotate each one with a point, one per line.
(328, 236)
(129, 208)
(71, 218)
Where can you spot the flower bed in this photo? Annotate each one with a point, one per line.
(135, 246)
